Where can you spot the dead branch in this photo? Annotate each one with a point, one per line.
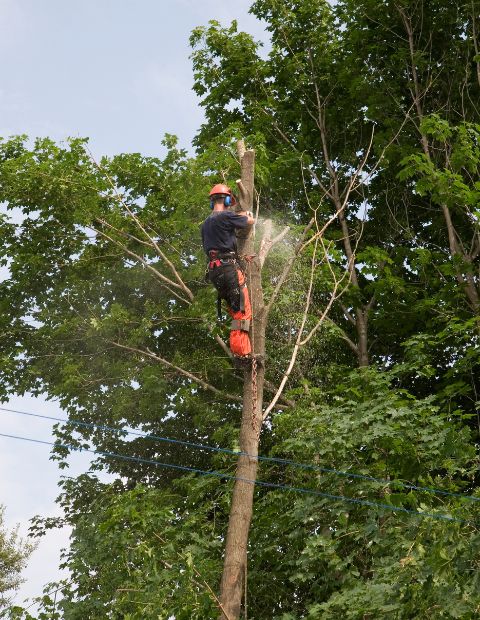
(283, 399)
(225, 348)
(166, 282)
(181, 371)
(139, 224)
(123, 233)
(333, 296)
(267, 242)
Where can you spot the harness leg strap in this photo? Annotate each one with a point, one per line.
(242, 324)
(242, 300)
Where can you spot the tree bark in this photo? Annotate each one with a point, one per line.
(361, 313)
(362, 333)
(234, 567)
(466, 280)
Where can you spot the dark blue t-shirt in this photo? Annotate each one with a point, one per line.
(218, 231)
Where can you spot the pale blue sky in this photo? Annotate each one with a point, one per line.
(114, 70)
(118, 72)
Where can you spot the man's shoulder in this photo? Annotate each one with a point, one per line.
(218, 216)
(240, 221)
(234, 219)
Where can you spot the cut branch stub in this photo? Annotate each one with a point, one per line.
(243, 198)
(245, 187)
(246, 182)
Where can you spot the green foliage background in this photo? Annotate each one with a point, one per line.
(86, 318)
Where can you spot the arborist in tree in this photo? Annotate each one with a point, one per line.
(224, 270)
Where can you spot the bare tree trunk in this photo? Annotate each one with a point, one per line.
(362, 333)
(361, 313)
(466, 280)
(234, 567)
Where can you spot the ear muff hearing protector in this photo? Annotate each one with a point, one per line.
(227, 201)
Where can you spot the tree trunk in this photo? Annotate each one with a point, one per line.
(361, 314)
(362, 333)
(235, 559)
(466, 281)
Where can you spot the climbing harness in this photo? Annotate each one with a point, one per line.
(226, 274)
(222, 271)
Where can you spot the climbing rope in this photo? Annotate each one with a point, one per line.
(254, 397)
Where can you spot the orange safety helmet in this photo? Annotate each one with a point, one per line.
(226, 192)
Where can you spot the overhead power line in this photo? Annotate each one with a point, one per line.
(307, 466)
(271, 485)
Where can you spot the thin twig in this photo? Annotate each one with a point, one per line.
(137, 221)
(297, 343)
(333, 295)
(167, 283)
(288, 266)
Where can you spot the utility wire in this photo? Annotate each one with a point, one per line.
(271, 485)
(307, 466)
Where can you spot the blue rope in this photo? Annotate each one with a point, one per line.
(271, 485)
(307, 466)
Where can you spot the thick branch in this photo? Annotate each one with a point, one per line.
(475, 43)
(416, 85)
(343, 336)
(347, 313)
